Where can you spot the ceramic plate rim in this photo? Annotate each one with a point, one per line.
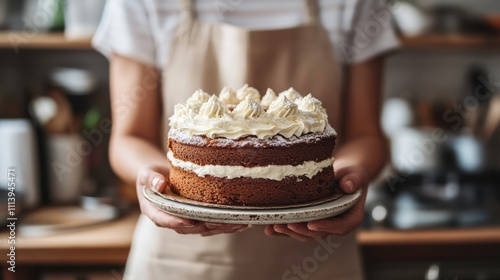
(253, 216)
(168, 194)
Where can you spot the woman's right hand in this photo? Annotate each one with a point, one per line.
(154, 177)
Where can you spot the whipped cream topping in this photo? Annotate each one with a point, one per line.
(210, 116)
(213, 108)
(228, 96)
(247, 109)
(311, 104)
(268, 98)
(272, 172)
(291, 94)
(197, 99)
(283, 107)
(245, 91)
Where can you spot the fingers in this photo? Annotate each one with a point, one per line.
(162, 219)
(351, 178)
(303, 230)
(269, 231)
(215, 228)
(155, 178)
(342, 224)
(151, 178)
(296, 231)
(283, 228)
(187, 226)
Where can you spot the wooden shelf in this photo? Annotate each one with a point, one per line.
(101, 244)
(430, 237)
(450, 42)
(19, 40)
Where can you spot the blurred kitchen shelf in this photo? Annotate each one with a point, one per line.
(431, 244)
(107, 243)
(450, 42)
(59, 41)
(20, 40)
(431, 236)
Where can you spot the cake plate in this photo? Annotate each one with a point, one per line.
(252, 215)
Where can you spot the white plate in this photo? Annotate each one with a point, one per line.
(255, 216)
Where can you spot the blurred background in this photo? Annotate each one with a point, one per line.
(432, 214)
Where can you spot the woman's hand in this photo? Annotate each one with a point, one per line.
(154, 178)
(350, 180)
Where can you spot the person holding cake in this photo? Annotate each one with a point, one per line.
(162, 51)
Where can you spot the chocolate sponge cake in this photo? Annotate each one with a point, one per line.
(238, 150)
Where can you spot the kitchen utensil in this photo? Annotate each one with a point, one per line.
(492, 120)
(42, 15)
(67, 166)
(397, 113)
(82, 18)
(493, 20)
(43, 109)
(78, 86)
(452, 19)
(53, 220)
(262, 216)
(3, 13)
(416, 150)
(53, 112)
(74, 80)
(411, 20)
(469, 153)
(18, 151)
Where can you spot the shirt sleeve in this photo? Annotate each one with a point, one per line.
(125, 29)
(371, 32)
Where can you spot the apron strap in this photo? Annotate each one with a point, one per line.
(188, 10)
(312, 11)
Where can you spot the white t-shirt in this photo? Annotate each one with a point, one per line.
(143, 29)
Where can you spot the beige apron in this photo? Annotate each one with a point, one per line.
(213, 55)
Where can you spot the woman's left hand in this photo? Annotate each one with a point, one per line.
(350, 180)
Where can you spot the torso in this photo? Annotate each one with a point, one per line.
(209, 56)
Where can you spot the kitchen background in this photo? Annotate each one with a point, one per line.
(432, 214)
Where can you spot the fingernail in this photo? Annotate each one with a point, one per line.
(188, 225)
(314, 228)
(241, 229)
(211, 226)
(350, 186)
(156, 183)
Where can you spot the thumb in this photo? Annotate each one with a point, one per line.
(152, 179)
(350, 182)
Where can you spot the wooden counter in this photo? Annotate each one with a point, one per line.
(100, 244)
(109, 244)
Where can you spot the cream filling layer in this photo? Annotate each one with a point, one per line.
(272, 172)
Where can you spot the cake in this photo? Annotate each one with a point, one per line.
(240, 149)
